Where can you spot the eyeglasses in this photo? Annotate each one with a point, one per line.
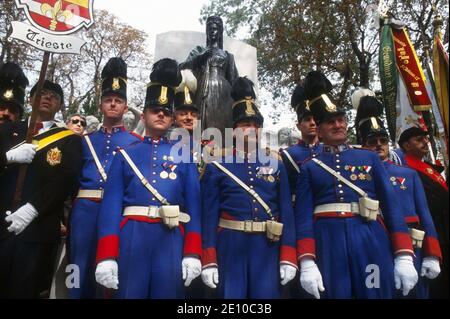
(377, 140)
(76, 121)
(51, 94)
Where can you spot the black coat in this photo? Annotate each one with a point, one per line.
(437, 198)
(50, 179)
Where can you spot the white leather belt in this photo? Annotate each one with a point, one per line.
(90, 193)
(337, 208)
(151, 212)
(247, 226)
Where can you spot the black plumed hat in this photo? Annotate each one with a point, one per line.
(298, 102)
(165, 77)
(317, 91)
(114, 78)
(244, 107)
(12, 86)
(368, 116)
(185, 92)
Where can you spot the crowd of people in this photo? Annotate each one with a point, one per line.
(320, 219)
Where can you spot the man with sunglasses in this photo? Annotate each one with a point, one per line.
(98, 149)
(408, 189)
(414, 144)
(76, 123)
(149, 223)
(30, 231)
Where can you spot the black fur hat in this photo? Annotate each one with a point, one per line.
(245, 107)
(298, 102)
(185, 92)
(114, 78)
(12, 86)
(165, 77)
(317, 91)
(368, 116)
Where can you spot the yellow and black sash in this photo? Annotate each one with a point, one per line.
(49, 137)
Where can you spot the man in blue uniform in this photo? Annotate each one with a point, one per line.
(414, 143)
(149, 222)
(30, 231)
(308, 146)
(408, 189)
(341, 237)
(246, 208)
(97, 152)
(187, 146)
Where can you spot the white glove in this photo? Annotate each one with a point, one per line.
(21, 218)
(405, 275)
(430, 267)
(310, 278)
(192, 268)
(23, 154)
(106, 274)
(210, 276)
(287, 273)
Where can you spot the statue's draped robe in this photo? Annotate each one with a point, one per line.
(215, 76)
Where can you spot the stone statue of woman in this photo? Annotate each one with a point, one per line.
(215, 70)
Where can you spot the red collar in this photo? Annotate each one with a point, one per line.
(425, 169)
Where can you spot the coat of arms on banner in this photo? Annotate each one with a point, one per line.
(58, 16)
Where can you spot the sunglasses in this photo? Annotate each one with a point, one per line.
(378, 140)
(76, 121)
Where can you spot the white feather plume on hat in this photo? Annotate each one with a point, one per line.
(189, 81)
(359, 94)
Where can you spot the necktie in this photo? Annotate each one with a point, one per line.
(37, 127)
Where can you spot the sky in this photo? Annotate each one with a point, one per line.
(158, 16)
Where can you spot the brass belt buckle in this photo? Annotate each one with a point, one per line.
(248, 226)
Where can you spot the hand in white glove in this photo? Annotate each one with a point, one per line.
(210, 276)
(310, 278)
(23, 154)
(430, 267)
(106, 274)
(405, 275)
(192, 268)
(287, 273)
(21, 218)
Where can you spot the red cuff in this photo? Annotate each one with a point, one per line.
(108, 248)
(306, 247)
(288, 254)
(401, 243)
(431, 247)
(209, 256)
(192, 244)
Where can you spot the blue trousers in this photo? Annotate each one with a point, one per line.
(83, 246)
(149, 262)
(248, 266)
(355, 258)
